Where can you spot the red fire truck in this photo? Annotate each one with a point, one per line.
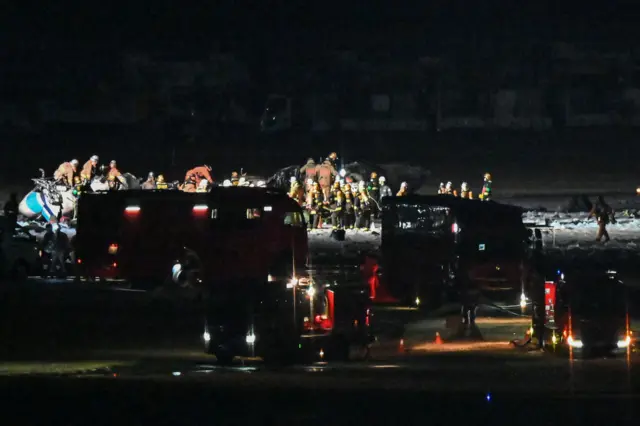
(234, 233)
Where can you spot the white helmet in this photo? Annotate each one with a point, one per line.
(464, 186)
(226, 183)
(75, 162)
(343, 172)
(404, 185)
(242, 181)
(94, 158)
(449, 185)
(382, 179)
(292, 179)
(309, 181)
(261, 184)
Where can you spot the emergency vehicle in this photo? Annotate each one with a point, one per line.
(582, 311)
(443, 248)
(233, 233)
(287, 321)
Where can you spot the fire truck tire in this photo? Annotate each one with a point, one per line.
(339, 350)
(223, 357)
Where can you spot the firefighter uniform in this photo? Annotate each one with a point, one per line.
(161, 183)
(315, 209)
(486, 188)
(66, 172)
(89, 168)
(309, 170)
(385, 190)
(373, 191)
(404, 190)
(364, 211)
(337, 210)
(349, 216)
(465, 192)
(296, 192)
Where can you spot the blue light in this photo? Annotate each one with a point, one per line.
(558, 271)
(488, 397)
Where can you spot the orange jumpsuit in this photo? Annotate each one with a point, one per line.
(113, 173)
(65, 172)
(197, 174)
(88, 170)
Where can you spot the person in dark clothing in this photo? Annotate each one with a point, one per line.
(349, 208)
(385, 190)
(373, 190)
(364, 210)
(604, 215)
(337, 210)
(11, 212)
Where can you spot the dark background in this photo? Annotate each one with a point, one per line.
(64, 50)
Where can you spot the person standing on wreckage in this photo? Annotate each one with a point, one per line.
(326, 172)
(89, 169)
(66, 172)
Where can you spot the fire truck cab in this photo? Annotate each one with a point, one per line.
(442, 247)
(232, 234)
(584, 312)
(286, 321)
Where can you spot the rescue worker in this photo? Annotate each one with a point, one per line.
(485, 195)
(197, 174)
(326, 173)
(161, 183)
(78, 189)
(203, 186)
(89, 169)
(113, 170)
(373, 191)
(308, 185)
(66, 172)
(604, 215)
(441, 188)
(235, 179)
(465, 192)
(385, 190)
(309, 170)
(150, 183)
(404, 190)
(227, 183)
(364, 210)
(11, 213)
(337, 210)
(296, 193)
(315, 207)
(448, 188)
(349, 217)
(332, 159)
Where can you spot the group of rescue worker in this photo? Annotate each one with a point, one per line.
(465, 191)
(329, 196)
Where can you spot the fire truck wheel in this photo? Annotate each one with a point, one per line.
(339, 350)
(223, 358)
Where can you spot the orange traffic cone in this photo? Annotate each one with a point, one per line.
(438, 340)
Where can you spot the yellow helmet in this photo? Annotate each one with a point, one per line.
(160, 178)
(374, 175)
(487, 176)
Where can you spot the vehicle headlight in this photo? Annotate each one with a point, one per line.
(574, 343)
(624, 343)
(250, 338)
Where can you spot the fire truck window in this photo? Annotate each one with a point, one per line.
(420, 218)
(254, 214)
(294, 219)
